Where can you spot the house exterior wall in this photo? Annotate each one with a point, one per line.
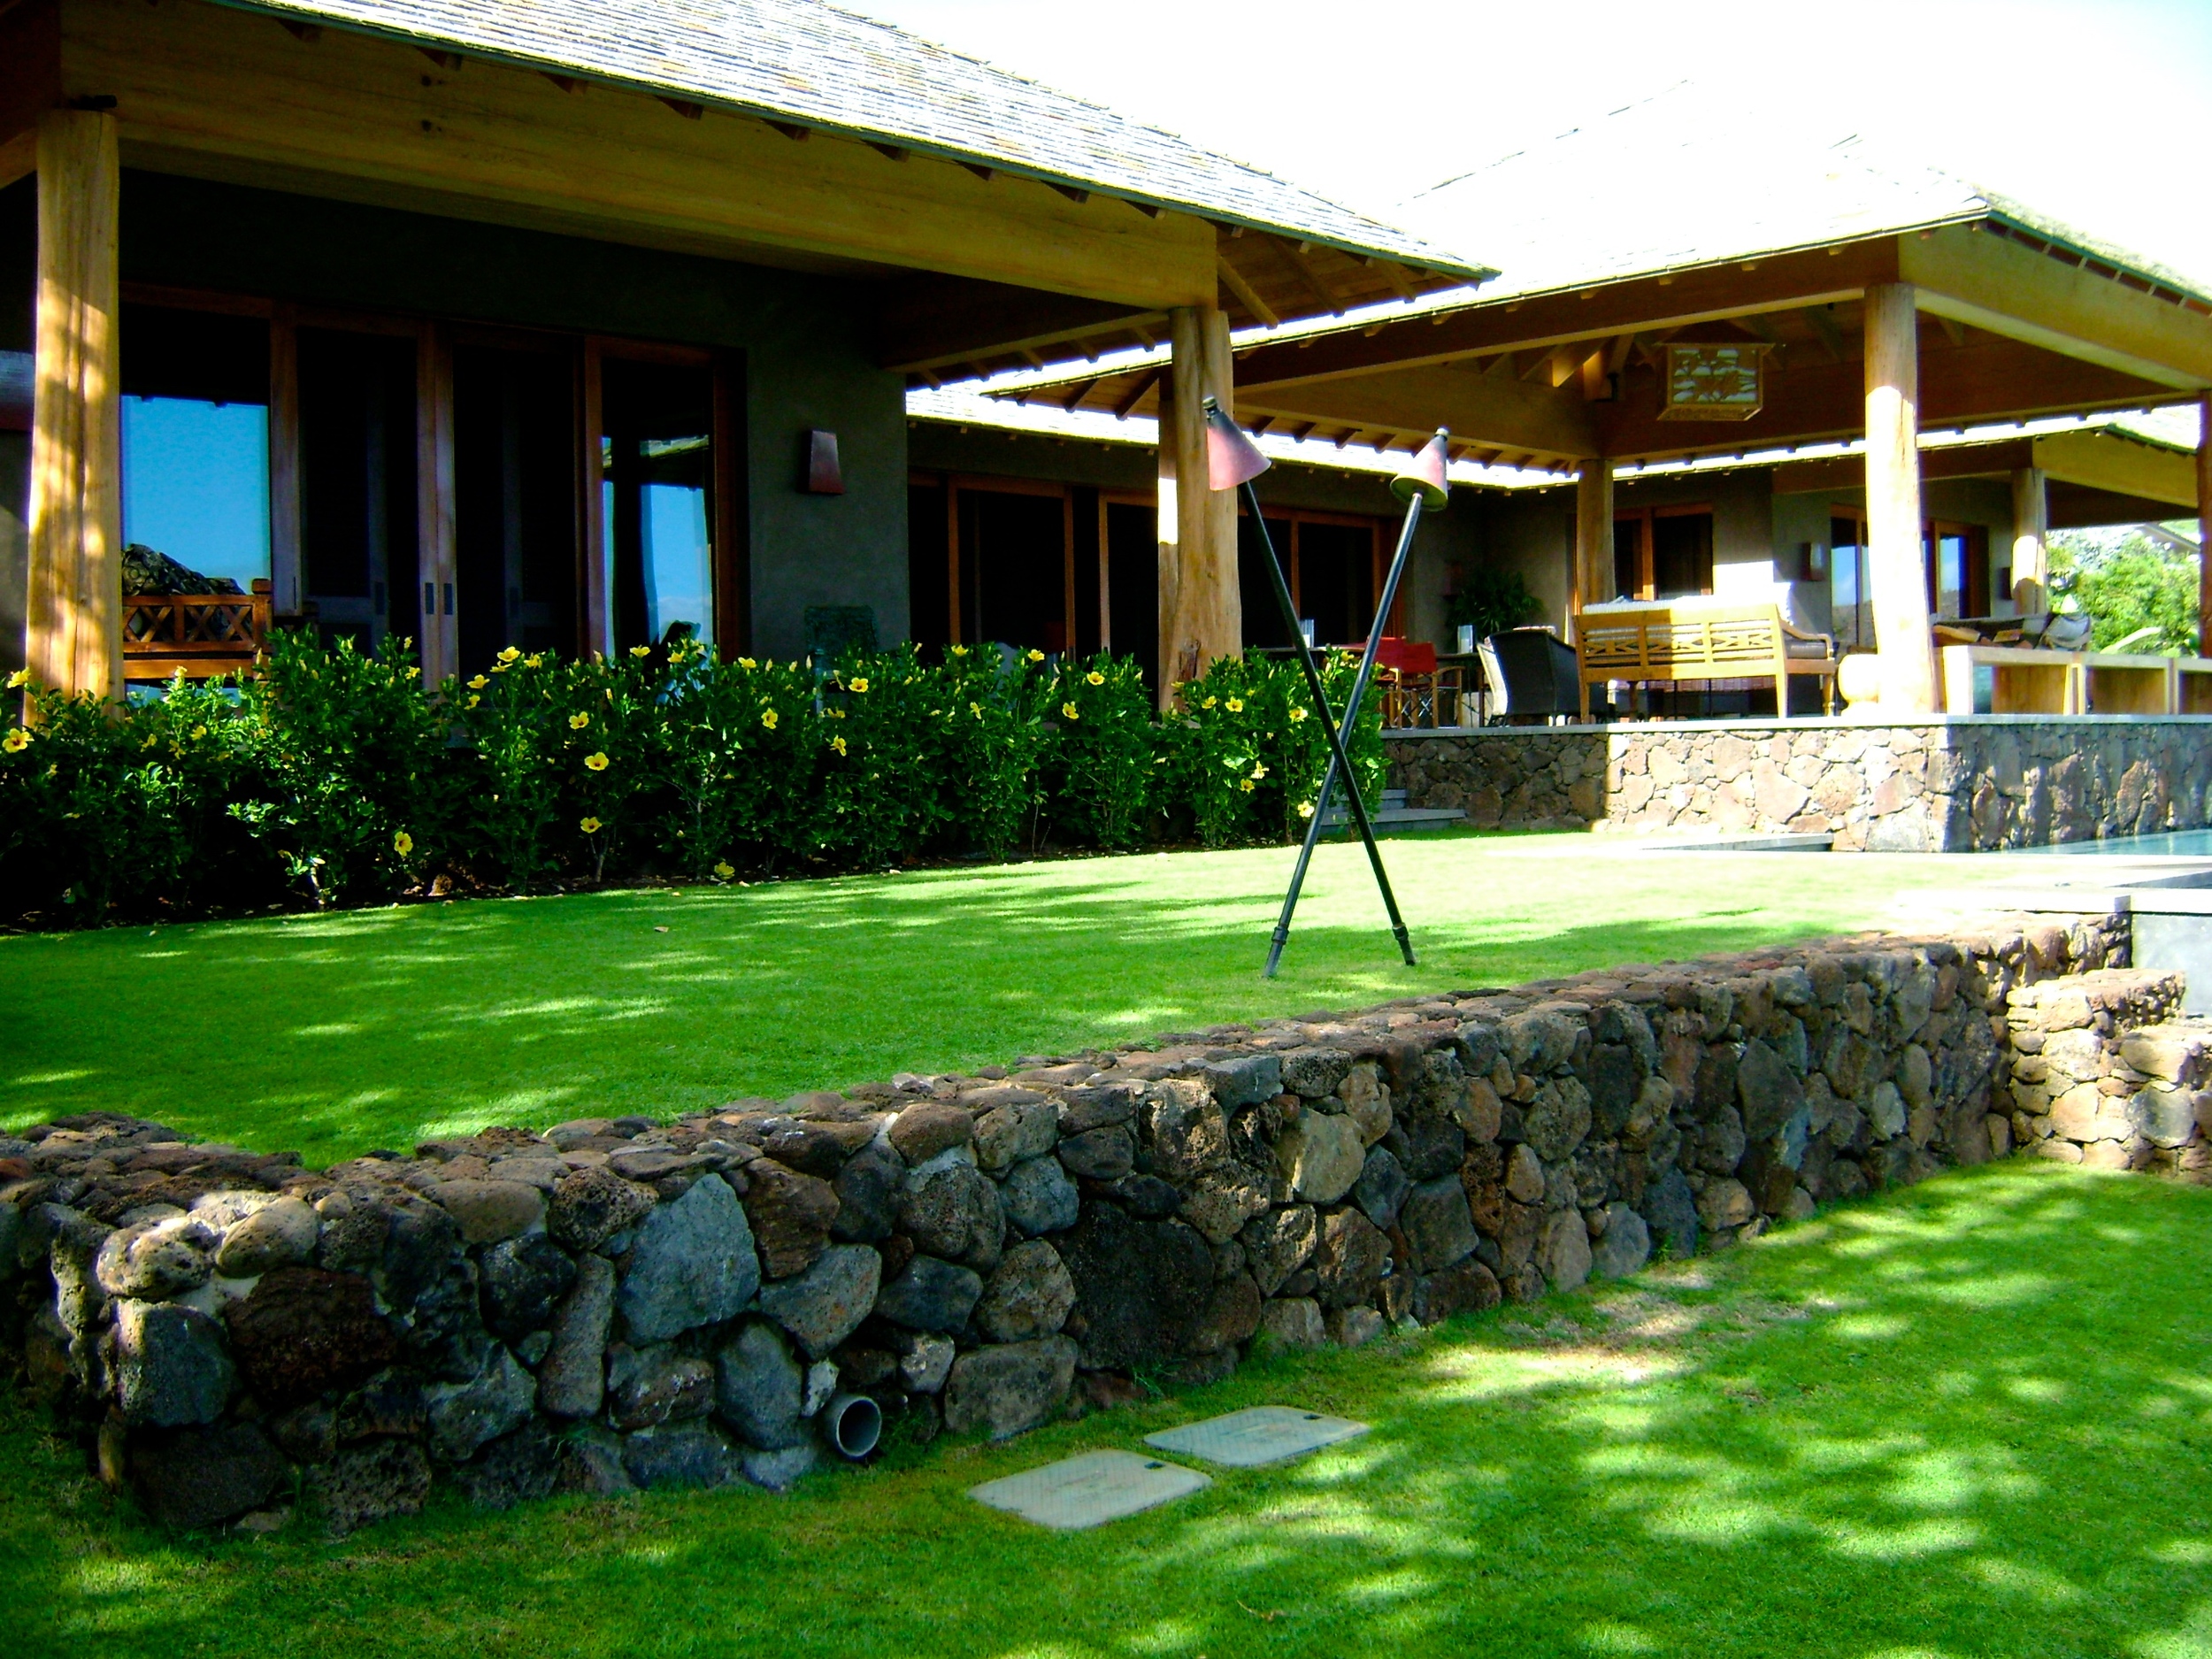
(1444, 539)
(802, 337)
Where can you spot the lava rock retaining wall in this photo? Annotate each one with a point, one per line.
(623, 1304)
(1971, 784)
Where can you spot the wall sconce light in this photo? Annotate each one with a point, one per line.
(823, 476)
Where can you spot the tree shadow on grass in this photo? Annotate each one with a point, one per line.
(1967, 1419)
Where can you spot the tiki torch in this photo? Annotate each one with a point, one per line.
(1232, 460)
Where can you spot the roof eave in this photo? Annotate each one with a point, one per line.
(282, 12)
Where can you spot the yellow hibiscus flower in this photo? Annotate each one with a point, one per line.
(18, 680)
(640, 650)
(1235, 705)
(1036, 655)
(725, 870)
(768, 718)
(1093, 677)
(1305, 809)
(1067, 711)
(402, 843)
(1296, 715)
(860, 685)
(479, 683)
(838, 743)
(509, 654)
(578, 721)
(16, 742)
(589, 826)
(595, 762)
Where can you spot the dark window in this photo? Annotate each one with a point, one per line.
(358, 506)
(658, 495)
(1013, 554)
(514, 509)
(1262, 611)
(1681, 554)
(1336, 581)
(1132, 576)
(929, 594)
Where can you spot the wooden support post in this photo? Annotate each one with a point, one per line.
(284, 461)
(1594, 582)
(74, 633)
(2204, 524)
(440, 641)
(2031, 523)
(1201, 615)
(1896, 562)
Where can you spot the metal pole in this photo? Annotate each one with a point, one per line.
(1337, 746)
(1337, 738)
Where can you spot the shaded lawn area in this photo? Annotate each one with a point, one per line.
(1972, 1417)
(338, 1034)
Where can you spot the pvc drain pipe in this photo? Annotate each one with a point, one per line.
(852, 1424)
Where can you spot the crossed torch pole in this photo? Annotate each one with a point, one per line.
(1233, 461)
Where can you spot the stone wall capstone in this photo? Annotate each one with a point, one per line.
(1963, 784)
(617, 1302)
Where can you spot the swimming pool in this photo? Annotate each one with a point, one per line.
(2195, 843)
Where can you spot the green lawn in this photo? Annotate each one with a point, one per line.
(1968, 1418)
(337, 1033)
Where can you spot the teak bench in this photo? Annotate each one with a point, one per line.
(1679, 640)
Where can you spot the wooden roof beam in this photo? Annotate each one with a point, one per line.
(1822, 320)
(1138, 387)
(1293, 256)
(1246, 295)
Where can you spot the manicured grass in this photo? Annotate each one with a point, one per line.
(1967, 1419)
(337, 1033)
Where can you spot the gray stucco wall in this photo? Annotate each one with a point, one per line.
(807, 365)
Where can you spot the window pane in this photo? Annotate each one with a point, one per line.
(195, 441)
(195, 483)
(657, 461)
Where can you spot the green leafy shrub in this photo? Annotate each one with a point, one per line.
(1099, 749)
(336, 774)
(354, 780)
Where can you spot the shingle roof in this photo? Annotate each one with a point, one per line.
(1683, 179)
(802, 61)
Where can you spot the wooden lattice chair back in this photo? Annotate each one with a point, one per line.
(200, 635)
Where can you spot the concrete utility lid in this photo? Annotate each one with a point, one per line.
(1261, 1434)
(1089, 1490)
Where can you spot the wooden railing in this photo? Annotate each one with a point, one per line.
(199, 635)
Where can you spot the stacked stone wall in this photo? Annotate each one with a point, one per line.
(621, 1304)
(1971, 784)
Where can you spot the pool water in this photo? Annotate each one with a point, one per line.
(2195, 843)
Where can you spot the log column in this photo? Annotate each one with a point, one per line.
(2204, 525)
(1595, 580)
(2031, 526)
(74, 632)
(1201, 615)
(1897, 575)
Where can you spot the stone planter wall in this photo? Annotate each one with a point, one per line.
(2105, 1073)
(619, 1303)
(1971, 784)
